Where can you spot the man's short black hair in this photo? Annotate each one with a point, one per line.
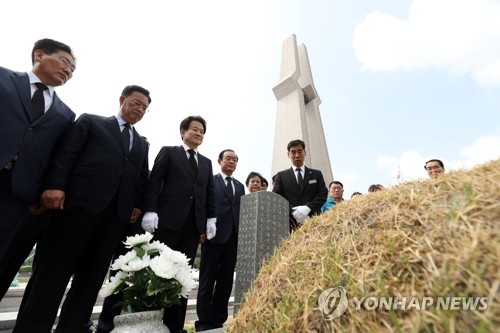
(294, 143)
(434, 160)
(221, 154)
(335, 182)
(128, 90)
(185, 123)
(50, 46)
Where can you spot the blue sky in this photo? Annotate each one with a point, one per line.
(400, 81)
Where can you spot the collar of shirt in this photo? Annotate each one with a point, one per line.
(223, 175)
(34, 79)
(122, 122)
(186, 148)
(302, 169)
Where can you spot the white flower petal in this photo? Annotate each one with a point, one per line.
(136, 264)
(163, 267)
(155, 247)
(138, 240)
(114, 284)
(123, 260)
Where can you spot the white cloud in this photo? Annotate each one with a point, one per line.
(460, 36)
(347, 178)
(411, 163)
(484, 149)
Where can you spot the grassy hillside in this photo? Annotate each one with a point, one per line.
(428, 238)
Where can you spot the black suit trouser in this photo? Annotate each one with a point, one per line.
(30, 233)
(216, 283)
(12, 209)
(184, 240)
(75, 244)
(110, 308)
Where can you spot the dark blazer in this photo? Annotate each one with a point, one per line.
(92, 168)
(33, 143)
(313, 193)
(172, 188)
(228, 212)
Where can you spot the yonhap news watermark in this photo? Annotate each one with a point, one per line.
(333, 302)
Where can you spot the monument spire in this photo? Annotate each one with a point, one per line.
(297, 115)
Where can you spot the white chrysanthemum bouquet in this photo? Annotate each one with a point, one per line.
(151, 275)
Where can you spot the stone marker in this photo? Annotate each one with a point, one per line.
(263, 225)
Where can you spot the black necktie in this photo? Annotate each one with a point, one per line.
(229, 188)
(38, 101)
(300, 180)
(192, 162)
(126, 138)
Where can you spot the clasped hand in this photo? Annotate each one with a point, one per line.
(211, 228)
(150, 222)
(301, 213)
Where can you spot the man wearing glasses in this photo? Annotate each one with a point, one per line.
(95, 187)
(32, 121)
(434, 168)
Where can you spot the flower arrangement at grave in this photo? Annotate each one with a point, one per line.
(151, 275)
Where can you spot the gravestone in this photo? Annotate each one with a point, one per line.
(263, 225)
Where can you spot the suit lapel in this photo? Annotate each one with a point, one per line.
(237, 188)
(22, 84)
(52, 111)
(181, 153)
(220, 183)
(138, 143)
(307, 176)
(115, 131)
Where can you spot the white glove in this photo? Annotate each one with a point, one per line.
(301, 213)
(211, 228)
(304, 221)
(150, 222)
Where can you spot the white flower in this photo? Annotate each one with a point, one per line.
(178, 258)
(155, 247)
(185, 278)
(163, 266)
(123, 260)
(136, 264)
(138, 240)
(114, 284)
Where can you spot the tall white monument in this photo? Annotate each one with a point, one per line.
(297, 116)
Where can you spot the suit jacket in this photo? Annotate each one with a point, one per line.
(93, 168)
(172, 188)
(33, 143)
(313, 193)
(228, 211)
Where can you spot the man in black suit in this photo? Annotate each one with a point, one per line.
(180, 202)
(95, 186)
(32, 121)
(304, 188)
(218, 255)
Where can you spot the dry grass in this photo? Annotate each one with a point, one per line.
(425, 238)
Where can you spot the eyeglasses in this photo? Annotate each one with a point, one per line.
(68, 64)
(138, 104)
(436, 167)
